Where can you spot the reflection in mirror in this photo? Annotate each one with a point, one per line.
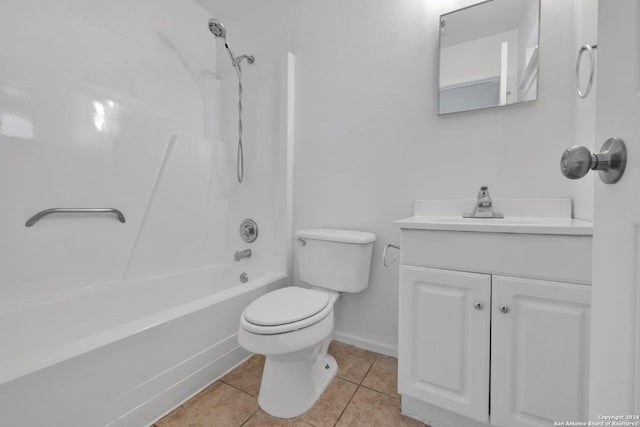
(489, 55)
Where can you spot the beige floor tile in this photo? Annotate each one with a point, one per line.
(247, 376)
(373, 409)
(383, 375)
(353, 362)
(328, 408)
(229, 402)
(262, 419)
(217, 405)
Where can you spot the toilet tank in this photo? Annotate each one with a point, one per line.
(339, 260)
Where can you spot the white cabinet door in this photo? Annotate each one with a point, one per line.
(443, 344)
(539, 352)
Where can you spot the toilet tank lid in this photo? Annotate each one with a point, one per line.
(333, 235)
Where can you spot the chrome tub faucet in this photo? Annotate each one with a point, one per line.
(484, 206)
(242, 254)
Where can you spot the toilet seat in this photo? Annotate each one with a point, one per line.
(285, 310)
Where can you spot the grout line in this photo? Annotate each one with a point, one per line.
(379, 391)
(348, 380)
(367, 373)
(239, 389)
(250, 416)
(346, 406)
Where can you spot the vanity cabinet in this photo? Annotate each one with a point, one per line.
(539, 351)
(467, 336)
(494, 327)
(443, 351)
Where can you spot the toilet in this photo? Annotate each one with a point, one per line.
(293, 326)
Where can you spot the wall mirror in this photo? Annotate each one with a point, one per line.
(489, 55)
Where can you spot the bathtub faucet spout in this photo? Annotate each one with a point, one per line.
(242, 254)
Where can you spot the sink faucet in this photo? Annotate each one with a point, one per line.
(484, 206)
(242, 254)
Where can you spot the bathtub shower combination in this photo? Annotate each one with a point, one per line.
(115, 314)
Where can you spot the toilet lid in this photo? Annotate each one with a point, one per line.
(285, 305)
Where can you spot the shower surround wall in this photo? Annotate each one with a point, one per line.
(121, 108)
(130, 105)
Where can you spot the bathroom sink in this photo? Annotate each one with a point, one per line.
(523, 225)
(521, 216)
(537, 238)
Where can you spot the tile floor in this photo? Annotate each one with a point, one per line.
(363, 393)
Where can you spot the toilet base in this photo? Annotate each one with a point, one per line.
(292, 383)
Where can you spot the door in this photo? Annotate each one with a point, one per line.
(539, 352)
(443, 342)
(615, 359)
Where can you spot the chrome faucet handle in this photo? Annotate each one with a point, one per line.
(249, 230)
(484, 193)
(484, 206)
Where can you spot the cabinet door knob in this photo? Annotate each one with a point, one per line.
(478, 305)
(504, 308)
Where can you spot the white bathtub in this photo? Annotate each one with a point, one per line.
(123, 354)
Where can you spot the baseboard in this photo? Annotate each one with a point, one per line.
(366, 344)
(434, 416)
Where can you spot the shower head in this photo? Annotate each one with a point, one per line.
(217, 29)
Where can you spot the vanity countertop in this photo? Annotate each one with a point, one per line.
(521, 216)
(520, 225)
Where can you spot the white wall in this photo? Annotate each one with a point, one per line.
(369, 140)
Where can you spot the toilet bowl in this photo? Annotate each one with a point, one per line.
(293, 326)
(297, 367)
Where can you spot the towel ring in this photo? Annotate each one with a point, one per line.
(592, 69)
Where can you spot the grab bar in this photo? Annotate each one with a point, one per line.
(592, 69)
(384, 254)
(37, 217)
